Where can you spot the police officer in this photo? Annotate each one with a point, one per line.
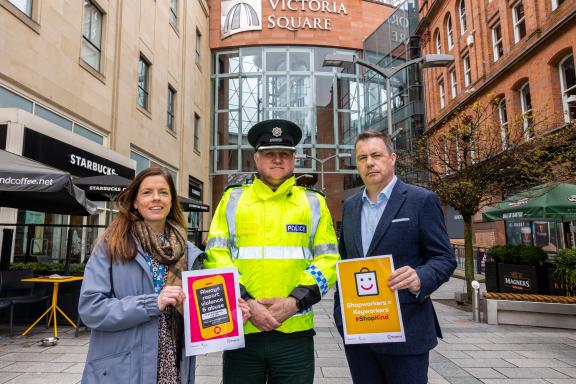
(281, 238)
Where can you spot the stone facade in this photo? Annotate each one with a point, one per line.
(42, 61)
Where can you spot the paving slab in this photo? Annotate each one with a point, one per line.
(470, 353)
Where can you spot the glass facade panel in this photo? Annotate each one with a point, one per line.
(11, 100)
(80, 130)
(348, 127)
(227, 160)
(228, 62)
(52, 117)
(276, 60)
(276, 90)
(141, 161)
(23, 5)
(251, 60)
(299, 61)
(300, 91)
(257, 83)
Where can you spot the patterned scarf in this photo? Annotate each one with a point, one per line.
(171, 253)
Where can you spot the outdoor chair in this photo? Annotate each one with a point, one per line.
(17, 292)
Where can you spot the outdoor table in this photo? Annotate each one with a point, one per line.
(54, 307)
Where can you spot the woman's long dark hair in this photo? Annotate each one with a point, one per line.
(121, 244)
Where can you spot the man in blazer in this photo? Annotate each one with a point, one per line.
(388, 216)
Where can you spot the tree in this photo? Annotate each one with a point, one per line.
(473, 159)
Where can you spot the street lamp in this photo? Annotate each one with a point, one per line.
(322, 161)
(428, 61)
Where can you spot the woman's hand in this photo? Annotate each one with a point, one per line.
(170, 295)
(245, 309)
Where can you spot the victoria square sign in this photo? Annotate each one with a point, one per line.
(293, 15)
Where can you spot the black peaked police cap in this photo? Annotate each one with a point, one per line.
(274, 134)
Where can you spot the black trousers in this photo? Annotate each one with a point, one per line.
(273, 358)
(368, 366)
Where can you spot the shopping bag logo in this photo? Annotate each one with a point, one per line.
(366, 282)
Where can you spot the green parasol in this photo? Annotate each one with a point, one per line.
(554, 201)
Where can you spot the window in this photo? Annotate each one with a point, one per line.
(519, 20)
(196, 133)
(52, 117)
(497, 47)
(170, 108)
(467, 71)
(449, 35)
(503, 122)
(143, 83)
(10, 99)
(198, 46)
(453, 84)
(472, 144)
(174, 13)
(437, 41)
(24, 5)
(143, 162)
(557, 3)
(446, 159)
(442, 94)
(462, 11)
(526, 108)
(92, 36)
(568, 87)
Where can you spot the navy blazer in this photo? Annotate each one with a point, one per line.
(412, 230)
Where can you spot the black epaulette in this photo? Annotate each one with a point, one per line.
(233, 186)
(315, 190)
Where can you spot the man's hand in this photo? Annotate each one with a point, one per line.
(280, 308)
(404, 278)
(261, 317)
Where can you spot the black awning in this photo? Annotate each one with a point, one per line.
(102, 187)
(193, 205)
(27, 184)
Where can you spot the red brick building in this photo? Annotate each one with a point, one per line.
(521, 51)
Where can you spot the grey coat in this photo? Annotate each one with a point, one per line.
(118, 303)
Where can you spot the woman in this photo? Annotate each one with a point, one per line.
(131, 295)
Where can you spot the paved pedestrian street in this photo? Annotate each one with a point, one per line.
(470, 352)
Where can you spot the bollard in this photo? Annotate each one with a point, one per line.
(476, 301)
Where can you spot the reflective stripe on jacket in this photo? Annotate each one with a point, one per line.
(278, 240)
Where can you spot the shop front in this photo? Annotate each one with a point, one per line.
(543, 216)
(34, 236)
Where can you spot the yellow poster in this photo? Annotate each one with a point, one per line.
(370, 309)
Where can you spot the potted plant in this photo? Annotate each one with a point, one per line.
(563, 281)
(521, 269)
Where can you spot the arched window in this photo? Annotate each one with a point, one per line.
(503, 122)
(497, 42)
(526, 108)
(437, 41)
(442, 94)
(449, 32)
(568, 87)
(462, 11)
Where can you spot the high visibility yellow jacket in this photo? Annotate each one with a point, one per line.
(282, 242)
